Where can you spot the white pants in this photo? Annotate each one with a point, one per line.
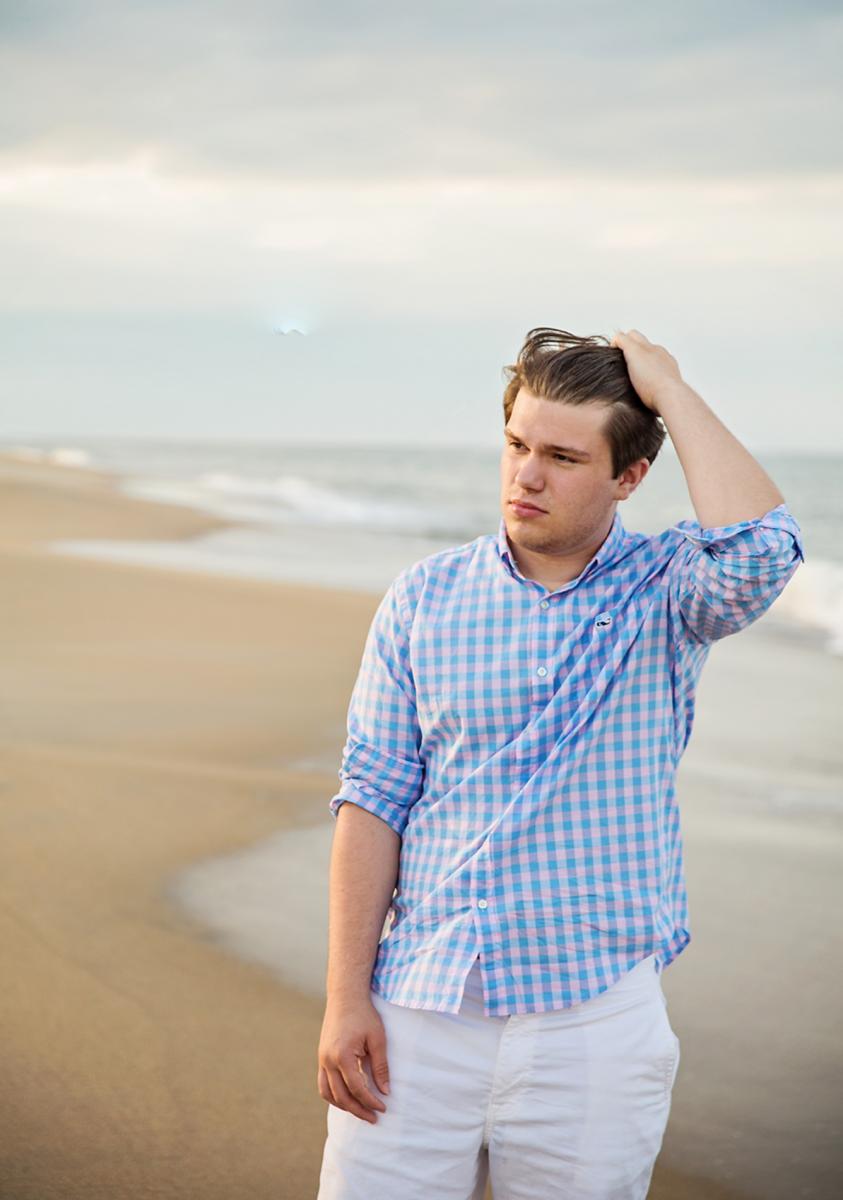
(570, 1104)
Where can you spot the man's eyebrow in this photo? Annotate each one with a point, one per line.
(563, 449)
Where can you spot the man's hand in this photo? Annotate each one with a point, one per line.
(351, 1030)
(727, 485)
(652, 370)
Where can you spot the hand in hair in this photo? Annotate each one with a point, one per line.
(652, 369)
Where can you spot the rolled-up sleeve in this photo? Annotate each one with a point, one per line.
(381, 770)
(722, 578)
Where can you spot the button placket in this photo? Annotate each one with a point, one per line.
(544, 651)
(536, 634)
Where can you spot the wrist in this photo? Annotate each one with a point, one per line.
(676, 393)
(349, 997)
(349, 985)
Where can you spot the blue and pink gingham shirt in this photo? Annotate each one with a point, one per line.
(524, 744)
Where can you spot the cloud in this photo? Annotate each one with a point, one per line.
(373, 90)
(413, 185)
(121, 237)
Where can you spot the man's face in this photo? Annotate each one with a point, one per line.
(572, 483)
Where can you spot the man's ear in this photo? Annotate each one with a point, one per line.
(633, 476)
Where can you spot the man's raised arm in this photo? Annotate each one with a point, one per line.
(745, 544)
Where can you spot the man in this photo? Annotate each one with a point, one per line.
(513, 738)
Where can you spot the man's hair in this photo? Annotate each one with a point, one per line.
(556, 365)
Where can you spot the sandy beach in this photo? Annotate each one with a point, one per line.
(155, 721)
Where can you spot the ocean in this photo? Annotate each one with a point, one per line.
(353, 516)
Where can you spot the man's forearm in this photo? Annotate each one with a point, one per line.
(363, 873)
(726, 483)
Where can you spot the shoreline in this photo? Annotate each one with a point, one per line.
(160, 722)
(219, 543)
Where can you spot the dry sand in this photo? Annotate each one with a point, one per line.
(153, 719)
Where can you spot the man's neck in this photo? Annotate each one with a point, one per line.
(538, 568)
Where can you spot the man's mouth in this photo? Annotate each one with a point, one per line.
(525, 506)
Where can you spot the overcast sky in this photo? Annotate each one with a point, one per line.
(414, 187)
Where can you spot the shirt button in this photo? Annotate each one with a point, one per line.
(544, 604)
(481, 903)
(542, 671)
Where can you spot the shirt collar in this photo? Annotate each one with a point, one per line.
(606, 552)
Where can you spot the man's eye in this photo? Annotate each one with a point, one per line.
(563, 457)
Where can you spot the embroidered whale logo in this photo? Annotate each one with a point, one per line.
(603, 618)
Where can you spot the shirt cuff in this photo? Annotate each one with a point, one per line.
(779, 518)
(395, 815)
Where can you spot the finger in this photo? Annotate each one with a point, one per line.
(378, 1060)
(357, 1082)
(354, 1079)
(324, 1086)
(344, 1099)
(638, 335)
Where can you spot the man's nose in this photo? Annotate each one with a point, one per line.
(529, 473)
